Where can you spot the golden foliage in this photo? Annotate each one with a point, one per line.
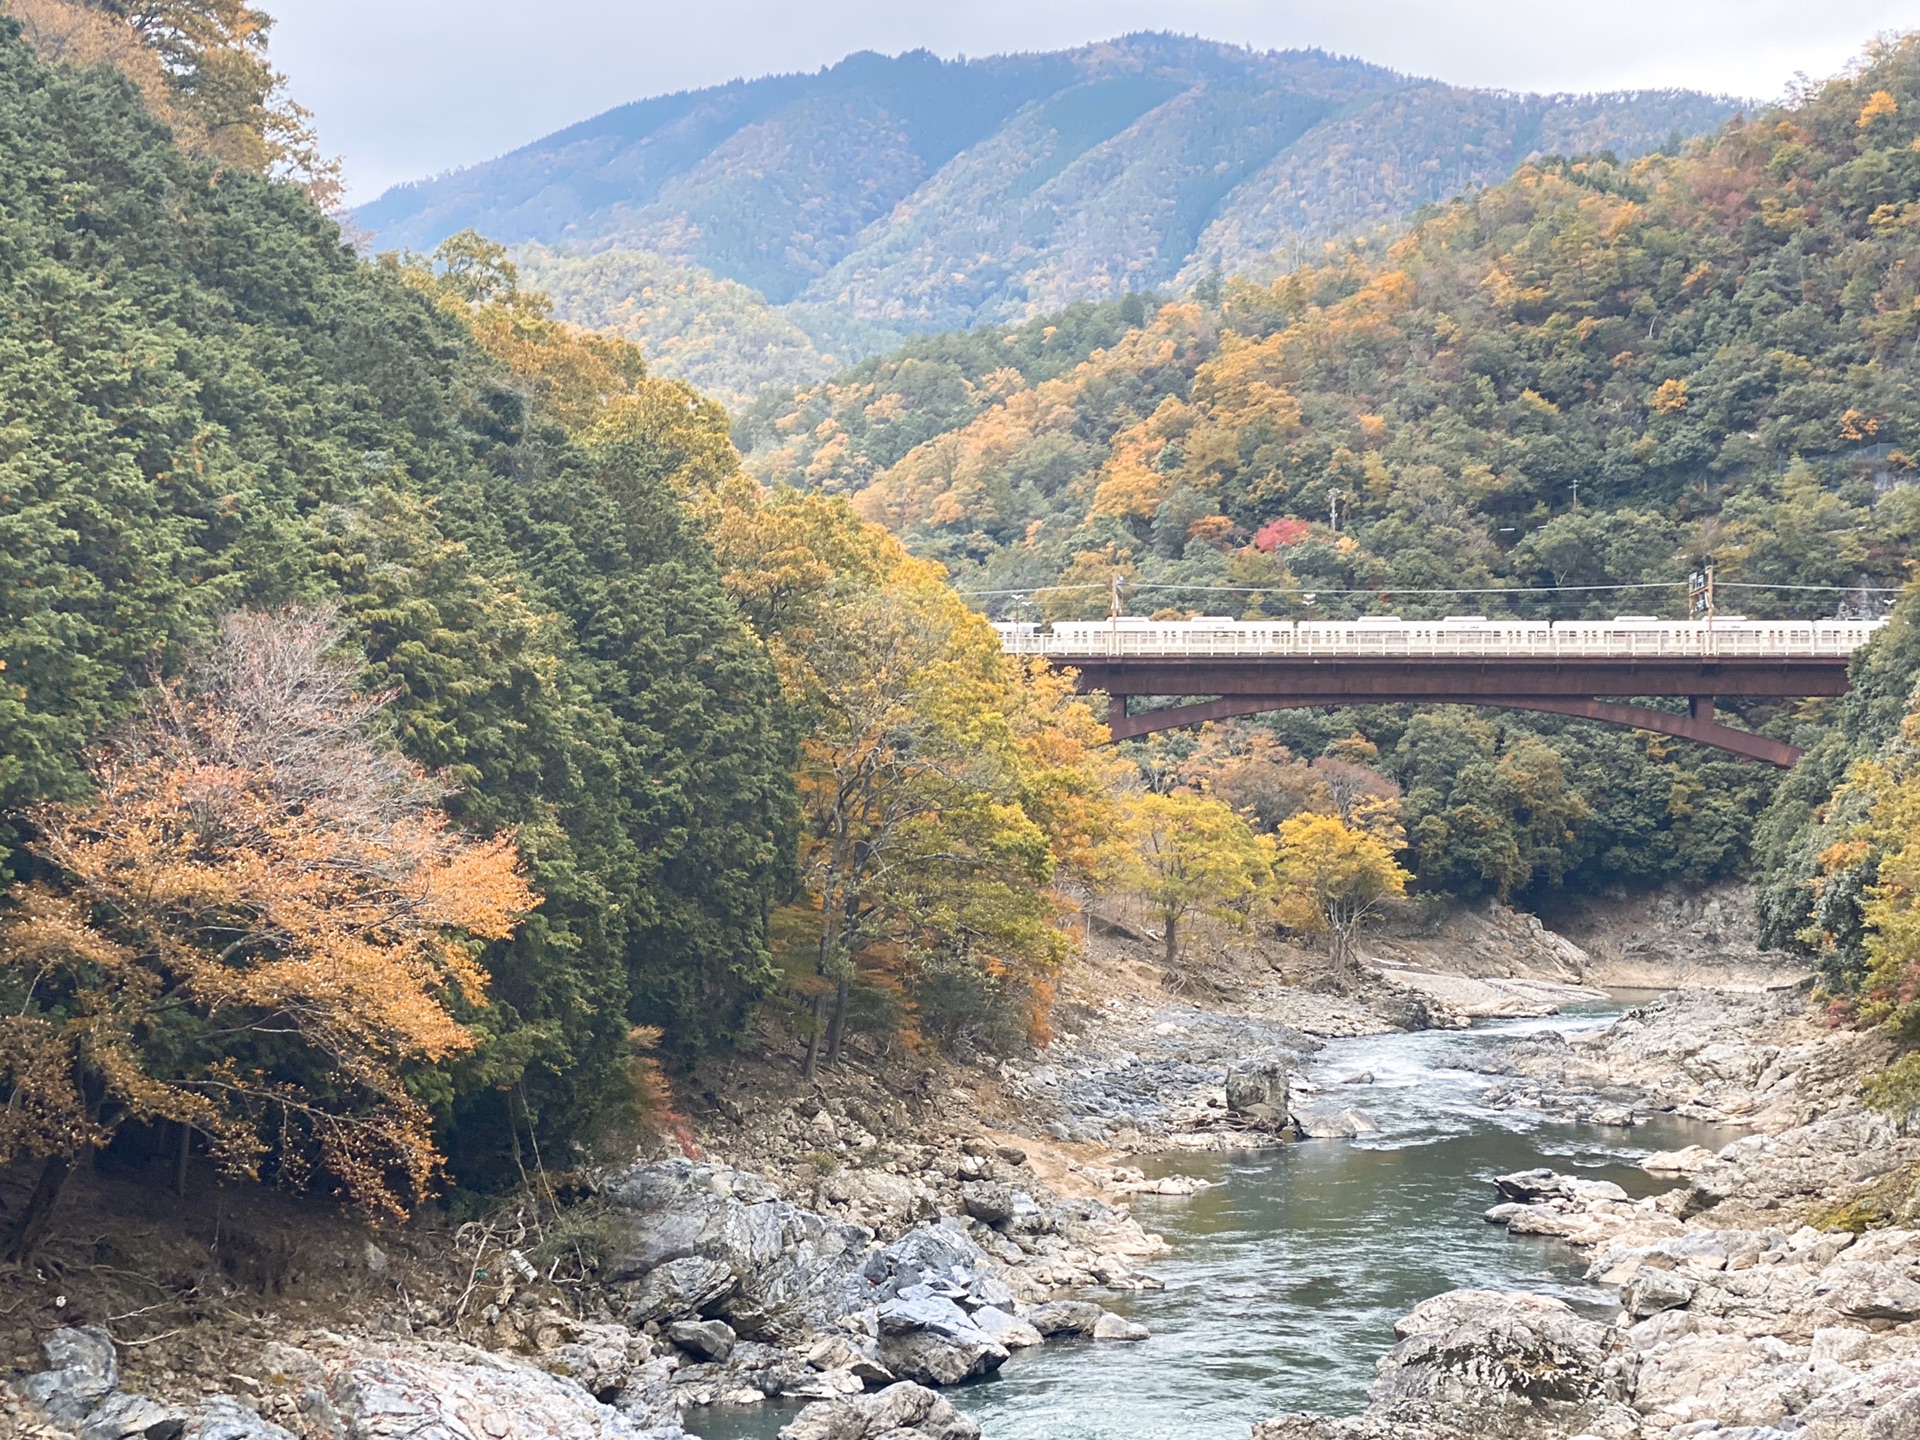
(256, 950)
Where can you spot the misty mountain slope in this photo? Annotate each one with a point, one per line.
(888, 195)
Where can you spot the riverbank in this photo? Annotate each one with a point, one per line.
(903, 1218)
(1772, 1289)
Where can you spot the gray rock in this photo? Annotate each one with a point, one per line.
(1328, 1122)
(709, 1339)
(1257, 1091)
(452, 1392)
(1065, 1317)
(936, 1358)
(1475, 1344)
(680, 1287)
(769, 1268)
(988, 1201)
(86, 1349)
(84, 1371)
(903, 1315)
(225, 1418)
(899, 1412)
(1006, 1329)
(1650, 1291)
(1118, 1327)
(133, 1417)
(1528, 1187)
(1869, 1291)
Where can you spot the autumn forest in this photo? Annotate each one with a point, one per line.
(430, 727)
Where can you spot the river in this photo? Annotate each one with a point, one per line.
(1285, 1279)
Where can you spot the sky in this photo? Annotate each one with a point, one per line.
(408, 88)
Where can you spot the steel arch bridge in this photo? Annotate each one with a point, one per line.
(1598, 689)
(1593, 669)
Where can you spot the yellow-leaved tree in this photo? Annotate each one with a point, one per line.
(1194, 856)
(1331, 877)
(253, 928)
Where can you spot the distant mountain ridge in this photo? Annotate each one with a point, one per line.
(911, 193)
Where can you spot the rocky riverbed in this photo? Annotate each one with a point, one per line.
(865, 1242)
(1764, 1295)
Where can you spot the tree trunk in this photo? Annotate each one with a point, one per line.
(180, 1160)
(39, 1212)
(837, 1026)
(813, 1036)
(1173, 937)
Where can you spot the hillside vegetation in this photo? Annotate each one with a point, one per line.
(910, 193)
(1599, 373)
(417, 735)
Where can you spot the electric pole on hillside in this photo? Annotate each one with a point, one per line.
(1700, 596)
(1114, 612)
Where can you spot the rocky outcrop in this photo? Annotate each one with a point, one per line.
(1490, 1366)
(899, 1412)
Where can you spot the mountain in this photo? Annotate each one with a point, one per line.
(886, 195)
(1598, 373)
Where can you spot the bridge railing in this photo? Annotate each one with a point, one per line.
(1582, 640)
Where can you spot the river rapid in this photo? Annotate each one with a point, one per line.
(1285, 1278)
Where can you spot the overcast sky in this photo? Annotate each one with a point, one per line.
(405, 88)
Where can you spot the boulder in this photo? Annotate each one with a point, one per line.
(455, 1392)
(679, 1287)
(133, 1417)
(83, 1370)
(1117, 1327)
(225, 1418)
(1650, 1291)
(1329, 1122)
(899, 1412)
(709, 1339)
(1006, 1329)
(1468, 1345)
(988, 1201)
(1065, 1317)
(1257, 1091)
(1529, 1187)
(935, 1357)
(771, 1269)
(1866, 1290)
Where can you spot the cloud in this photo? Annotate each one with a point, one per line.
(405, 88)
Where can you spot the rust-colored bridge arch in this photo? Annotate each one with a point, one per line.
(1594, 689)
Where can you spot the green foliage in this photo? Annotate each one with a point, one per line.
(209, 401)
(1599, 373)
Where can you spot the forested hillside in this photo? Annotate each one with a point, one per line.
(1598, 373)
(886, 195)
(416, 731)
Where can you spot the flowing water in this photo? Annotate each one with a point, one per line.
(1285, 1279)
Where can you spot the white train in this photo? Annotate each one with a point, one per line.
(1387, 635)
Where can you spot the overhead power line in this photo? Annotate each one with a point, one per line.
(1390, 592)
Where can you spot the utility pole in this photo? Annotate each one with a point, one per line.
(1700, 598)
(1114, 612)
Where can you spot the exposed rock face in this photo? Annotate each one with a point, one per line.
(454, 1392)
(701, 1239)
(78, 1396)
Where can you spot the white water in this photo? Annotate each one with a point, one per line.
(1285, 1280)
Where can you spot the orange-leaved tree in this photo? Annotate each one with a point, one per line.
(254, 928)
